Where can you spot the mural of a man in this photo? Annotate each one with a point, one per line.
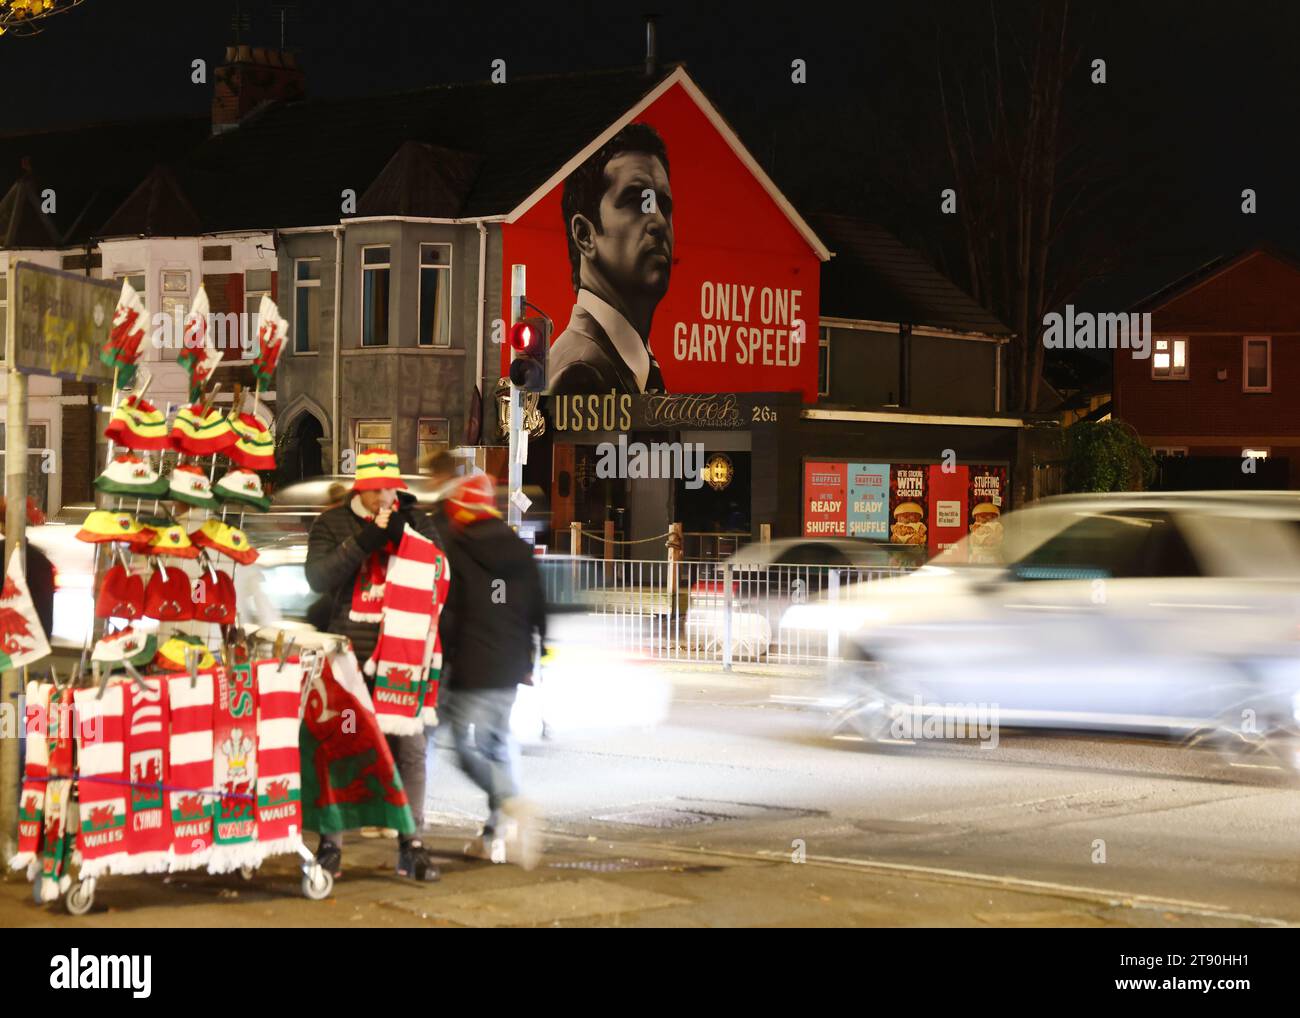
(618, 221)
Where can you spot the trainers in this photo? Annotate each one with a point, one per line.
(523, 845)
(330, 858)
(488, 848)
(413, 861)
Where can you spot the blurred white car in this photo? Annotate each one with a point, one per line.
(1172, 613)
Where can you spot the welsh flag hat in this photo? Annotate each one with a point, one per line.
(171, 655)
(138, 424)
(242, 486)
(197, 434)
(190, 484)
(126, 645)
(255, 449)
(103, 525)
(131, 476)
(171, 540)
(377, 469)
(229, 541)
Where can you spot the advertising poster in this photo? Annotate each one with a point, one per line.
(667, 267)
(908, 494)
(824, 490)
(868, 501)
(986, 503)
(947, 515)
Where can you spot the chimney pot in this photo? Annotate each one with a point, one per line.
(651, 58)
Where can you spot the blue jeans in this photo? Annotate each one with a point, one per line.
(480, 728)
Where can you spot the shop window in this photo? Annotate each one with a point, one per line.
(375, 269)
(1169, 359)
(38, 474)
(1257, 364)
(306, 303)
(435, 295)
(369, 434)
(433, 438)
(257, 284)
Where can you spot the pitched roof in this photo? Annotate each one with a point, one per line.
(875, 276)
(22, 223)
(92, 168)
(421, 180)
(1208, 270)
(157, 208)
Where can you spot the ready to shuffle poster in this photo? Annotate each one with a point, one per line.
(868, 508)
(824, 492)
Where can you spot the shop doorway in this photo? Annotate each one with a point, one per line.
(715, 517)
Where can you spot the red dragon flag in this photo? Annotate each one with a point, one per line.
(272, 330)
(122, 350)
(22, 640)
(199, 356)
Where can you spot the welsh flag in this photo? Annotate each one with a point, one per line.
(122, 350)
(272, 331)
(199, 357)
(348, 776)
(22, 640)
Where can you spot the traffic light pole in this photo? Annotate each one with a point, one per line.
(515, 482)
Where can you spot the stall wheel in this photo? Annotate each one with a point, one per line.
(246, 872)
(317, 882)
(80, 897)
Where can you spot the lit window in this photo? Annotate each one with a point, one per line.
(1257, 364)
(1254, 454)
(369, 434)
(1169, 359)
(435, 295)
(375, 270)
(824, 362)
(306, 303)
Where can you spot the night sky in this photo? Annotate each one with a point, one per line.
(1201, 100)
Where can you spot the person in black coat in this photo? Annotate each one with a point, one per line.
(492, 627)
(348, 547)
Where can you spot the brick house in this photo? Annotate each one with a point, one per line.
(1224, 371)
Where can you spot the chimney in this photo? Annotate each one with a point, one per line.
(651, 56)
(251, 77)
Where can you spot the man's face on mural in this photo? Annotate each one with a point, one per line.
(632, 248)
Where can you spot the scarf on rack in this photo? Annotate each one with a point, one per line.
(31, 803)
(234, 770)
(279, 786)
(149, 828)
(190, 750)
(102, 783)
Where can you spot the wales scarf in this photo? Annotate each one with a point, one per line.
(279, 787)
(190, 751)
(368, 591)
(31, 803)
(102, 783)
(407, 633)
(54, 879)
(234, 770)
(149, 828)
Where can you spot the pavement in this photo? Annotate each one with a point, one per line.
(740, 811)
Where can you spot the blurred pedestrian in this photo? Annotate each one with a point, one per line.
(492, 627)
(38, 569)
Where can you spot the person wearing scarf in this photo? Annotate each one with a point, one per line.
(492, 627)
(347, 558)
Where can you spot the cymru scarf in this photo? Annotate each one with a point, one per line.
(149, 828)
(234, 770)
(407, 634)
(101, 779)
(368, 591)
(31, 804)
(279, 786)
(348, 776)
(190, 755)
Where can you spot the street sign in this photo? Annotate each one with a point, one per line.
(61, 321)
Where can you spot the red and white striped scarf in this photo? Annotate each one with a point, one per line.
(31, 804)
(102, 783)
(413, 599)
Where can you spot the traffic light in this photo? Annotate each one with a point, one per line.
(530, 338)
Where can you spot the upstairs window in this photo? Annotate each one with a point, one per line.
(375, 280)
(435, 295)
(1169, 358)
(1257, 364)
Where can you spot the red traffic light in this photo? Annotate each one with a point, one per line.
(523, 337)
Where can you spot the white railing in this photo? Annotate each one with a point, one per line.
(706, 611)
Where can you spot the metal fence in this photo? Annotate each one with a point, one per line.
(706, 611)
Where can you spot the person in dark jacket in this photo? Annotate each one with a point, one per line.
(347, 551)
(38, 569)
(492, 625)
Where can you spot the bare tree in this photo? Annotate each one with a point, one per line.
(1028, 172)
